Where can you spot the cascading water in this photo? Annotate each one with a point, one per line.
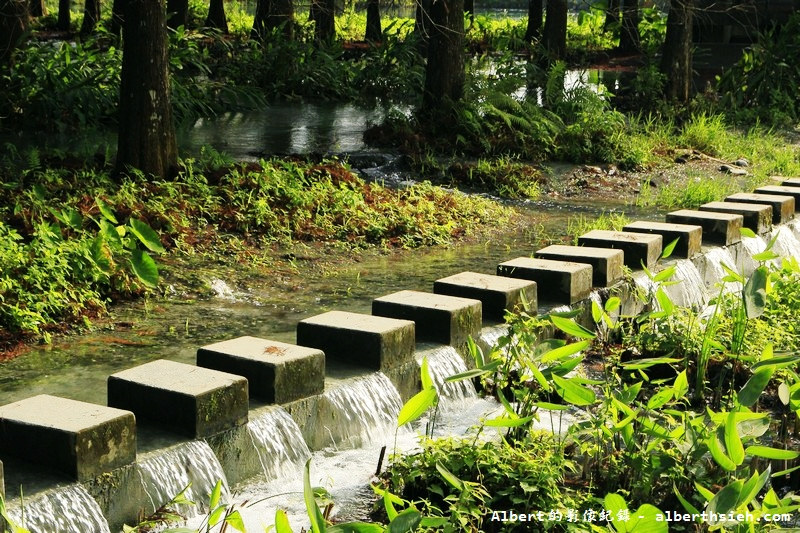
(786, 243)
(168, 473)
(279, 443)
(715, 258)
(490, 337)
(690, 291)
(362, 410)
(752, 246)
(443, 363)
(64, 510)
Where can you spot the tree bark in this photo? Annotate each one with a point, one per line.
(612, 15)
(216, 16)
(444, 72)
(146, 132)
(36, 8)
(178, 12)
(91, 14)
(117, 17)
(13, 25)
(676, 61)
(535, 12)
(629, 42)
(322, 13)
(374, 33)
(555, 29)
(271, 14)
(62, 24)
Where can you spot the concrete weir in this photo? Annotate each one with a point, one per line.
(346, 366)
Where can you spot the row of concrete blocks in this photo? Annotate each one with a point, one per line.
(84, 440)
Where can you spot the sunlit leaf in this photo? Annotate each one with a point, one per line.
(668, 249)
(105, 210)
(282, 522)
(571, 327)
(424, 373)
(145, 268)
(573, 393)
(772, 453)
(725, 500)
(146, 235)
(732, 441)
(416, 406)
(450, 477)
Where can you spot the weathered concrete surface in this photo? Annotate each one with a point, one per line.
(375, 342)
(276, 372)
(187, 399)
(757, 217)
(718, 228)
(438, 318)
(794, 192)
(80, 439)
(639, 248)
(606, 262)
(782, 206)
(690, 237)
(496, 293)
(560, 282)
(790, 182)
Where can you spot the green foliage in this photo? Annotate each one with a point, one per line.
(580, 224)
(502, 176)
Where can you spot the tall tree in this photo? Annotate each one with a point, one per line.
(535, 11)
(322, 12)
(676, 61)
(62, 24)
(374, 32)
(612, 15)
(444, 72)
(146, 132)
(629, 41)
(555, 29)
(91, 14)
(216, 16)
(36, 8)
(13, 25)
(178, 12)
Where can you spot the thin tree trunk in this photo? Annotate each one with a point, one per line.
(91, 14)
(216, 16)
(535, 11)
(272, 14)
(676, 61)
(178, 13)
(555, 29)
(63, 15)
(322, 13)
(117, 17)
(444, 72)
(146, 132)
(13, 25)
(36, 8)
(612, 15)
(374, 33)
(629, 42)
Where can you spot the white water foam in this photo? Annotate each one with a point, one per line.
(279, 443)
(64, 510)
(715, 258)
(446, 362)
(787, 243)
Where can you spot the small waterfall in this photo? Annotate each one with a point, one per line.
(786, 243)
(362, 410)
(490, 337)
(690, 291)
(279, 443)
(166, 474)
(752, 246)
(715, 258)
(442, 364)
(65, 510)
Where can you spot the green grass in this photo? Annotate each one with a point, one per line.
(578, 225)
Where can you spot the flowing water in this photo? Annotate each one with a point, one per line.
(279, 443)
(443, 363)
(715, 258)
(63, 510)
(787, 243)
(691, 291)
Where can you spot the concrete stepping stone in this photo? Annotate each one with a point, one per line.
(276, 372)
(718, 228)
(757, 217)
(638, 247)
(496, 293)
(80, 439)
(560, 282)
(782, 206)
(438, 317)
(782, 190)
(790, 182)
(690, 236)
(606, 262)
(374, 342)
(187, 399)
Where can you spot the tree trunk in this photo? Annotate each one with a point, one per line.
(216, 16)
(272, 14)
(63, 15)
(676, 61)
(444, 72)
(534, 29)
(555, 29)
(91, 14)
(36, 8)
(374, 33)
(422, 21)
(117, 17)
(178, 12)
(612, 15)
(13, 25)
(629, 35)
(322, 13)
(146, 133)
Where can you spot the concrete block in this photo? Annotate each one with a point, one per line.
(690, 237)
(187, 399)
(718, 228)
(496, 293)
(276, 372)
(560, 282)
(374, 342)
(782, 206)
(438, 318)
(606, 262)
(638, 247)
(79, 439)
(790, 182)
(783, 190)
(757, 217)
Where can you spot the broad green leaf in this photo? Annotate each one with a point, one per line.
(781, 361)
(450, 477)
(234, 520)
(356, 527)
(732, 274)
(475, 351)
(216, 493)
(755, 292)
(755, 386)
(424, 373)
(416, 406)
(282, 522)
(597, 312)
(732, 441)
(146, 235)
(506, 422)
(665, 274)
(725, 500)
(216, 515)
(786, 472)
(766, 255)
(109, 232)
(704, 492)
(571, 327)
(629, 393)
(715, 447)
(752, 487)
(660, 398)
(434, 521)
(648, 519)
(391, 512)
(145, 268)
(565, 351)
(664, 301)
(783, 393)
(684, 502)
(573, 393)
(100, 255)
(551, 406)
(641, 364)
(616, 503)
(469, 374)
(668, 249)
(105, 210)
(314, 514)
(622, 424)
(405, 522)
(612, 304)
(747, 232)
(681, 385)
(772, 453)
